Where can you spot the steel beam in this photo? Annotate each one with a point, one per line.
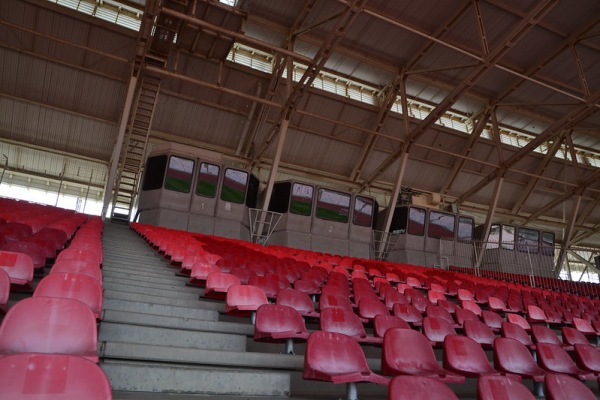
(568, 235)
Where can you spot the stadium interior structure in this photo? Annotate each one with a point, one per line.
(245, 192)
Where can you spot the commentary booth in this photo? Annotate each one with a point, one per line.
(322, 219)
(431, 237)
(517, 249)
(189, 189)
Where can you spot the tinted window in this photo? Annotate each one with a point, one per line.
(528, 240)
(363, 211)
(208, 180)
(280, 197)
(493, 238)
(399, 220)
(179, 174)
(508, 237)
(548, 243)
(252, 192)
(301, 199)
(416, 221)
(234, 186)
(155, 172)
(441, 225)
(333, 205)
(466, 225)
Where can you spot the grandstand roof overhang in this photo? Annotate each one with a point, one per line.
(494, 90)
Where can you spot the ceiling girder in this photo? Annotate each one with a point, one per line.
(488, 62)
(469, 147)
(390, 96)
(336, 34)
(548, 157)
(570, 119)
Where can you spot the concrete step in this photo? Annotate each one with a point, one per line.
(177, 289)
(142, 277)
(170, 301)
(157, 336)
(165, 378)
(174, 293)
(206, 325)
(153, 310)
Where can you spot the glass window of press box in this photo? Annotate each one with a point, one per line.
(208, 180)
(179, 174)
(364, 210)
(332, 205)
(408, 220)
(234, 186)
(441, 225)
(297, 198)
(466, 227)
(155, 172)
(528, 240)
(501, 236)
(547, 243)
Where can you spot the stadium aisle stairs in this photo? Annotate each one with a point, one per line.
(159, 339)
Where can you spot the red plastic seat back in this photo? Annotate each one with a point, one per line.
(406, 351)
(512, 356)
(370, 307)
(78, 267)
(29, 375)
(419, 387)
(436, 329)
(493, 387)
(564, 387)
(4, 291)
(244, 298)
(299, 301)
(555, 358)
(465, 356)
(479, 332)
(572, 336)
(342, 320)
(543, 334)
(515, 331)
(519, 320)
(72, 286)
(18, 266)
(383, 323)
(492, 319)
(408, 313)
(49, 325)
(277, 322)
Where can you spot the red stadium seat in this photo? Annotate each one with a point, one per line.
(342, 320)
(436, 330)
(587, 329)
(299, 301)
(383, 323)
(564, 387)
(52, 376)
(50, 325)
(493, 387)
(555, 359)
(33, 250)
(536, 315)
(200, 271)
(588, 358)
(572, 336)
(78, 267)
(337, 358)
(307, 286)
(519, 320)
(464, 356)
(72, 286)
(514, 331)
(419, 388)
(19, 268)
(277, 323)
(217, 284)
(368, 308)
(81, 255)
(472, 306)
(463, 315)
(408, 352)
(408, 313)
(513, 357)
(244, 300)
(491, 319)
(334, 301)
(543, 334)
(479, 332)
(392, 297)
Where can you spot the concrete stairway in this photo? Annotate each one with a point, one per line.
(160, 339)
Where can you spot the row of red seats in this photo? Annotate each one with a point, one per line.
(283, 322)
(48, 342)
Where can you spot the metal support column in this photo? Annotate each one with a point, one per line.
(488, 220)
(567, 238)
